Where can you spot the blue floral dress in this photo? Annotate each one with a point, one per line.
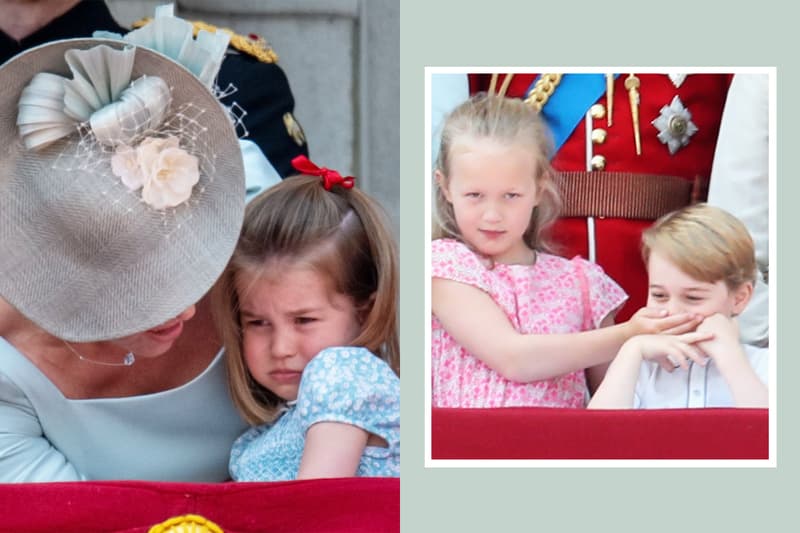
(343, 384)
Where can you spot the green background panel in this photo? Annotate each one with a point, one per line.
(578, 34)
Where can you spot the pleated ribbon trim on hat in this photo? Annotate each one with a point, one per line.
(174, 37)
(100, 93)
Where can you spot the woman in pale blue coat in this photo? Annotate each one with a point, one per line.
(115, 219)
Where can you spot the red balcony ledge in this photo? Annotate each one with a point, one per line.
(548, 433)
(331, 505)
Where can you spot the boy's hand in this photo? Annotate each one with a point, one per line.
(725, 343)
(650, 321)
(672, 351)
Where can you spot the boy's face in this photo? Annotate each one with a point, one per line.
(672, 289)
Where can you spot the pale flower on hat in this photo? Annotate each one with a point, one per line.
(121, 179)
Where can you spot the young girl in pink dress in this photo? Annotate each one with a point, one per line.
(508, 315)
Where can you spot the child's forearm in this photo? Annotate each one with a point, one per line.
(477, 323)
(746, 388)
(749, 391)
(535, 357)
(619, 385)
(332, 449)
(730, 358)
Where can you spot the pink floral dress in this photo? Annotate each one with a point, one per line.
(555, 295)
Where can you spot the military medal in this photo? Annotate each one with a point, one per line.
(675, 125)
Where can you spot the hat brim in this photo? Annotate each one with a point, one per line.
(83, 257)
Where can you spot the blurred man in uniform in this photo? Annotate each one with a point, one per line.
(740, 185)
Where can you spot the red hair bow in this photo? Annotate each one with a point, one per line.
(329, 177)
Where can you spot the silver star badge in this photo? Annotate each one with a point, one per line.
(677, 79)
(674, 125)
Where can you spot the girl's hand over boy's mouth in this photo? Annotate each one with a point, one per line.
(650, 321)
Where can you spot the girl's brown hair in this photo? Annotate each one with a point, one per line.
(344, 235)
(504, 120)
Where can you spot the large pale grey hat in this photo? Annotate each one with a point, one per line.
(96, 242)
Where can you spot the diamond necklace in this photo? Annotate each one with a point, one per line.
(128, 360)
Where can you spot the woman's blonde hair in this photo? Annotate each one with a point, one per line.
(706, 242)
(505, 120)
(344, 235)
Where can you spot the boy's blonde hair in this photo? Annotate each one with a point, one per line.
(504, 120)
(342, 234)
(706, 242)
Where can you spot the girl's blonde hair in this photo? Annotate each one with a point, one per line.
(344, 235)
(504, 120)
(706, 242)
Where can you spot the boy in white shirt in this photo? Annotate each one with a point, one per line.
(699, 259)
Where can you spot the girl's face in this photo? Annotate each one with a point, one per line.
(286, 320)
(493, 191)
(158, 340)
(674, 290)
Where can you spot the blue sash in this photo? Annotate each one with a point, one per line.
(568, 104)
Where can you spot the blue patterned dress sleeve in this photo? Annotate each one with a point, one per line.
(353, 386)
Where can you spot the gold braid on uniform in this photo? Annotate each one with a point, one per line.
(256, 47)
(542, 90)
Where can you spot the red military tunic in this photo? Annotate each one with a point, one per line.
(616, 245)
